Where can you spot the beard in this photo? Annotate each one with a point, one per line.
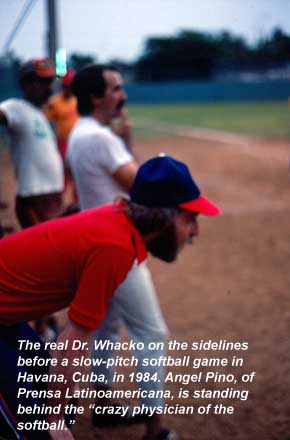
(165, 246)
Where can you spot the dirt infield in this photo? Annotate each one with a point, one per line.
(232, 284)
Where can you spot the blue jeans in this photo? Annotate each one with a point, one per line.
(135, 304)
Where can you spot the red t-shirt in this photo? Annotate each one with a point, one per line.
(76, 261)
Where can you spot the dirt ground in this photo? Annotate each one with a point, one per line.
(232, 284)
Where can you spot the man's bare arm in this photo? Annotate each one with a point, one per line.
(125, 175)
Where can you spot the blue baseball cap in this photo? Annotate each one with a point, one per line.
(164, 182)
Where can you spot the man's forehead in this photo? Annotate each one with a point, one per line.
(112, 77)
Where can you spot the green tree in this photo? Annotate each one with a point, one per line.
(234, 53)
(273, 51)
(185, 56)
(77, 61)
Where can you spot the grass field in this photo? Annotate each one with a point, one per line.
(262, 119)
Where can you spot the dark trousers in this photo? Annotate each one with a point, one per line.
(9, 386)
(36, 209)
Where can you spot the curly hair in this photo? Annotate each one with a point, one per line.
(147, 219)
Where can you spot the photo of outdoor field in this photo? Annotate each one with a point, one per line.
(233, 283)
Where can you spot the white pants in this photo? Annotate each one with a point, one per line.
(135, 304)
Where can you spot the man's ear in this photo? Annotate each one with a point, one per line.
(96, 102)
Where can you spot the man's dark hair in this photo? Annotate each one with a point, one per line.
(27, 79)
(90, 81)
(149, 220)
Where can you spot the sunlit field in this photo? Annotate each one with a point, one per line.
(262, 119)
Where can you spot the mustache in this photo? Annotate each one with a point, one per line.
(121, 104)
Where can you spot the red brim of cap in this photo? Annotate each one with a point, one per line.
(48, 73)
(201, 205)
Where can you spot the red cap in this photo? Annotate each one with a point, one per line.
(68, 77)
(41, 67)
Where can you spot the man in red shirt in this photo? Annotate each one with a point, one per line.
(78, 262)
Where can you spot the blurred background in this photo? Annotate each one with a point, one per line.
(204, 51)
(190, 52)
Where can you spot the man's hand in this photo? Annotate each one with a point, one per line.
(64, 434)
(123, 127)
